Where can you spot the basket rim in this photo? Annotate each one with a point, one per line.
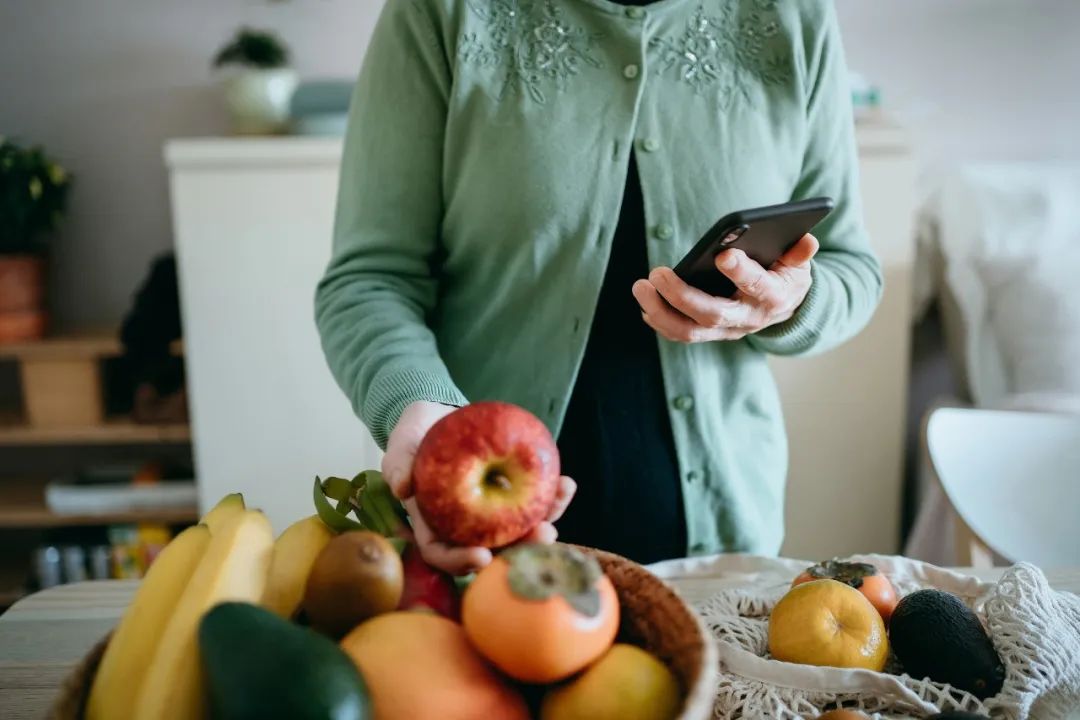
(700, 696)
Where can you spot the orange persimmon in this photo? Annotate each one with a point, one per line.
(541, 613)
(864, 577)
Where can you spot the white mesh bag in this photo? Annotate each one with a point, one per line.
(1035, 629)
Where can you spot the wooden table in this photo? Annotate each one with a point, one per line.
(44, 635)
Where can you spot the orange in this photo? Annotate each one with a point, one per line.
(626, 684)
(520, 612)
(843, 715)
(825, 622)
(419, 666)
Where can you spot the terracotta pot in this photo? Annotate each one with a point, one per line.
(22, 298)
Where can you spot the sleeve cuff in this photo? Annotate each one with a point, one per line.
(799, 333)
(394, 390)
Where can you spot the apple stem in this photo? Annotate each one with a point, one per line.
(497, 480)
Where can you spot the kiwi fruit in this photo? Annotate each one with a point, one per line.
(358, 575)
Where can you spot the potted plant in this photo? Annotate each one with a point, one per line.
(33, 195)
(259, 83)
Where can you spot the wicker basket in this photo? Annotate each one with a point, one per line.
(653, 616)
(657, 619)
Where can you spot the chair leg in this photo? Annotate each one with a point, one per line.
(970, 550)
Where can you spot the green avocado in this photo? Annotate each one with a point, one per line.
(260, 666)
(935, 635)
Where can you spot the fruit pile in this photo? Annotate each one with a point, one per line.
(848, 615)
(340, 617)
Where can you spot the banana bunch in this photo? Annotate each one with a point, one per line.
(151, 669)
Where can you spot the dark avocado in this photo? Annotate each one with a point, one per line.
(261, 666)
(935, 635)
(958, 715)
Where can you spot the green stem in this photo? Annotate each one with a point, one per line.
(380, 500)
(370, 520)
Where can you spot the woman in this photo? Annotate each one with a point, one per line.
(518, 178)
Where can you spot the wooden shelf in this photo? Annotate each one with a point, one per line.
(13, 431)
(61, 384)
(22, 505)
(86, 344)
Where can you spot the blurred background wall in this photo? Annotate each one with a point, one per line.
(102, 83)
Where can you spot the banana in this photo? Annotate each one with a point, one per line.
(294, 553)
(234, 567)
(124, 663)
(225, 509)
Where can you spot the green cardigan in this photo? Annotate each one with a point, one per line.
(483, 171)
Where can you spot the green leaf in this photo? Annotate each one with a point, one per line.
(331, 517)
(337, 488)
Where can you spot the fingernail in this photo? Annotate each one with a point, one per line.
(655, 276)
(729, 260)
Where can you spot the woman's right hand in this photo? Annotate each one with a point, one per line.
(397, 466)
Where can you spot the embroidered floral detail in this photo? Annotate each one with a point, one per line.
(729, 51)
(532, 40)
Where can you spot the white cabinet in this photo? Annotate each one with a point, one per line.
(253, 225)
(845, 410)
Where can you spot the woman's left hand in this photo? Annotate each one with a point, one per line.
(764, 297)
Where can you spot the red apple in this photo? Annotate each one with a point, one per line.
(486, 474)
(426, 587)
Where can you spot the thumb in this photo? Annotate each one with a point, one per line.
(398, 461)
(800, 253)
(404, 441)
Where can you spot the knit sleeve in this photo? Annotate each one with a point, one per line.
(846, 276)
(372, 304)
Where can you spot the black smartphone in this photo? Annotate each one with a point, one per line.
(763, 233)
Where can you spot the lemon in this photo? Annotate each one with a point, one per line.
(627, 683)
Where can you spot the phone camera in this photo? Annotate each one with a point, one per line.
(734, 235)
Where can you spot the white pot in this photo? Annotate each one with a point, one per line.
(258, 100)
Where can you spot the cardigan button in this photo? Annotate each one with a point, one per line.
(630, 71)
(684, 403)
(665, 232)
(635, 13)
(697, 548)
(650, 144)
(693, 476)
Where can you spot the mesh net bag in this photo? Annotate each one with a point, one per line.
(1035, 629)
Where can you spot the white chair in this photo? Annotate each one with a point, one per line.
(1013, 479)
